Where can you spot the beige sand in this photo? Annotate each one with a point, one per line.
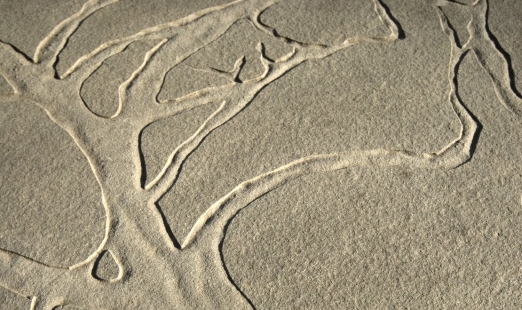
(260, 154)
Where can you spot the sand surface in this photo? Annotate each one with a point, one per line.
(365, 155)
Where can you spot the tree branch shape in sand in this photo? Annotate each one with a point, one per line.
(154, 271)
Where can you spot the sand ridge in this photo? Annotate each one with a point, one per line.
(153, 267)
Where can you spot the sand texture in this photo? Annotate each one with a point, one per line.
(260, 154)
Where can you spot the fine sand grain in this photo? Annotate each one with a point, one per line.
(260, 154)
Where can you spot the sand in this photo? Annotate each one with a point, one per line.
(260, 154)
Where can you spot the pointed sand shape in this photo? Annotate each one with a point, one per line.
(107, 268)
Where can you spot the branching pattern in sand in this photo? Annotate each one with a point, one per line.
(154, 270)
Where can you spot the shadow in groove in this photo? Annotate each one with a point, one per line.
(506, 56)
